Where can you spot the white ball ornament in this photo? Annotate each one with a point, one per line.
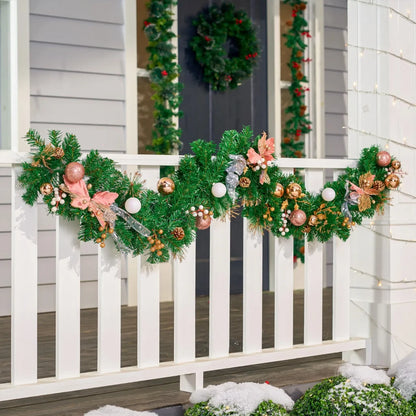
(132, 205)
(218, 190)
(328, 194)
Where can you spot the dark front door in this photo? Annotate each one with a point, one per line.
(207, 114)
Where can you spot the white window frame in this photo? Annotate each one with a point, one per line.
(314, 141)
(15, 74)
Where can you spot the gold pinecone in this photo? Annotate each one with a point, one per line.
(178, 233)
(58, 153)
(244, 182)
(379, 185)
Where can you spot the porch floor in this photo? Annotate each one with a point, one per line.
(161, 393)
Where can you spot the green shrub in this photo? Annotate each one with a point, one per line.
(337, 396)
(264, 408)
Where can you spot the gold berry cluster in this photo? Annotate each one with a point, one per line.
(267, 216)
(155, 243)
(104, 231)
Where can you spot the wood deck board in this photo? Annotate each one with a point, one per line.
(158, 393)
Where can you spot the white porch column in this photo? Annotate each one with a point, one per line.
(382, 110)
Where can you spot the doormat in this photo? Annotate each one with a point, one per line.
(117, 411)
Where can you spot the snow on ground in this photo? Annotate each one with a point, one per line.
(404, 372)
(242, 398)
(359, 375)
(117, 411)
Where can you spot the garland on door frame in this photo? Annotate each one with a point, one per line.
(209, 184)
(214, 28)
(298, 123)
(164, 72)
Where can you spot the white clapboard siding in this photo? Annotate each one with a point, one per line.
(56, 83)
(76, 32)
(110, 11)
(76, 58)
(76, 111)
(335, 21)
(77, 85)
(101, 138)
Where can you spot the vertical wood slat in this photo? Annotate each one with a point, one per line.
(184, 281)
(24, 286)
(109, 308)
(341, 287)
(67, 299)
(313, 273)
(281, 282)
(283, 296)
(219, 288)
(148, 296)
(341, 290)
(252, 289)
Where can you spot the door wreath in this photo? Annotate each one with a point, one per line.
(216, 27)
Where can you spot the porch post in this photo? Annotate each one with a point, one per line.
(382, 109)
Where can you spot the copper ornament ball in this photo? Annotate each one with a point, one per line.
(297, 217)
(46, 189)
(396, 165)
(313, 220)
(203, 223)
(165, 186)
(279, 191)
(383, 158)
(294, 190)
(392, 181)
(74, 172)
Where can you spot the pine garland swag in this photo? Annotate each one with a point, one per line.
(214, 28)
(168, 220)
(164, 74)
(298, 123)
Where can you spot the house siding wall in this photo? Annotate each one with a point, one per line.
(77, 85)
(335, 20)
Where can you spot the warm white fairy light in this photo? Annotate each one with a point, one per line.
(379, 51)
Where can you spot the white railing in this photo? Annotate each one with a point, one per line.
(24, 382)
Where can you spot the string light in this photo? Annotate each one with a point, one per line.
(388, 140)
(378, 325)
(391, 10)
(365, 48)
(386, 94)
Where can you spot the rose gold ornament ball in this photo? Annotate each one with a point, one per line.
(279, 190)
(74, 172)
(297, 217)
(165, 186)
(203, 223)
(383, 158)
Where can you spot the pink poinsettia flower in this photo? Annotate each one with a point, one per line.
(266, 150)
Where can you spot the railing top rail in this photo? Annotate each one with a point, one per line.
(8, 157)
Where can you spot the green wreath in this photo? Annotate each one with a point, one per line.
(214, 28)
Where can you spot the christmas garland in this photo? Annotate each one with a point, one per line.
(299, 122)
(214, 28)
(209, 184)
(164, 72)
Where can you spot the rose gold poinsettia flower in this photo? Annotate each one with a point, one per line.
(266, 150)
